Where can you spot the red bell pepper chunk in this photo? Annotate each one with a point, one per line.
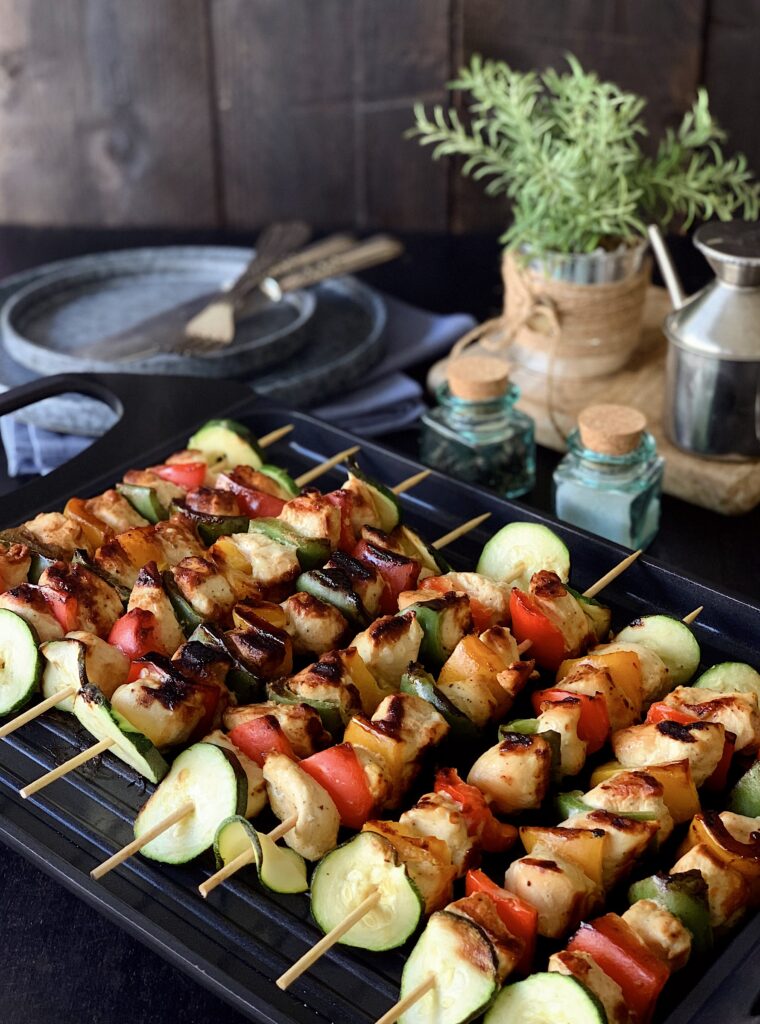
(65, 607)
(398, 571)
(529, 623)
(136, 634)
(261, 736)
(517, 915)
(343, 501)
(187, 475)
(339, 771)
(621, 954)
(258, 505)
(660, 711)
(594, 723)
(482, 616)
(719, 778)
(493, 835)
(209, 696)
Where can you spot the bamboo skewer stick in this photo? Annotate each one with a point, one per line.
(147, 837)
(411, 481)
(409, 1000)
(244, 858)
(312, 474)
(329, 940)
(460, 531)
(688, 619)
(613, 574)
(66, 767)
(275, 435)
(36, 711)
(524, 646)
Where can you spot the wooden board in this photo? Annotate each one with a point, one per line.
(729, 488)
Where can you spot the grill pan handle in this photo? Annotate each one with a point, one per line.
(151, 410)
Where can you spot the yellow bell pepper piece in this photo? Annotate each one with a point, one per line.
(361, 732)
(356, 667)
(245, 612)
(578, 845)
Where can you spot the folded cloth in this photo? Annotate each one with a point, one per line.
(385, 400)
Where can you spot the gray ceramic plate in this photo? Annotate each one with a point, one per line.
(46, 322)
(342, 340)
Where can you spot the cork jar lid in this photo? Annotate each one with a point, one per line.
(478, 378)
(611, 429)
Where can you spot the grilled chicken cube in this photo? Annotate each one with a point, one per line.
(558, 889)
(626, 839)
(585, 969)
(591, 679)
(270, 564)
(211, 501)
(149, 595)
(264, 650)
(204, 587)
(314, 626)
(313, 515)
(426, 858)
(30, 604)
(115, 511)
(562, 610)
(124, 556)
(655, 679)
(499, 639)
(476, 680)
(636, 792)
(661, 932)
(363, 509)
(481, 909)
(327, 680)
(701, 742)
(55, 530)
(514, 774)
(493, 595)
(166, 491)
(300, 722)
(84, 600)
(563, 717)
(376, 776)
(736, 712)
(365, 582)
(177, 540)
(201, 663)
(234, 565)
(257, 790)
(728, 892)
(388, 646)
(436, 814)
(15, 562)
(292, 792)
(105, 665)
(166, 710)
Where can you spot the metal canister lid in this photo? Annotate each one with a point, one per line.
(611, 429)
(478, 378)
(733, 251)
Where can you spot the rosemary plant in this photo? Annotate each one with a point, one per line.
(565, 149)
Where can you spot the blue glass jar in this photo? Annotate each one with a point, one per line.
(610, 480)
(475, 433)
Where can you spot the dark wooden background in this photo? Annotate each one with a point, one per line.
(231, 113)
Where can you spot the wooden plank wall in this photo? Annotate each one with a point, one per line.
(231, 113)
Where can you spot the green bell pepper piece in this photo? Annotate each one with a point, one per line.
(333, 586)
(144, 501)
(420, 683)
(247, 687)
(282, 692)
(310, 551)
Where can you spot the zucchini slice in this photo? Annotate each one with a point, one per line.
(280, 869)
(386, 502)
(348, 874)
(546, 998)
(671, 639)
(731, 677)
(20, 662)
(211, 779)
(284, 481)
(527, 548)
(458, 954)
(229, 441)
(93, 710)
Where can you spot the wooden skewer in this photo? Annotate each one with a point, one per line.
(275, 435)
(688, 619)
(36, 711)
(460, 531)
(147, 837)
(613, 574)
(333, 936)
(524, 646)
(312, 474)
(66, 767)
(409, 1000)
(243, 858)
(411, 481)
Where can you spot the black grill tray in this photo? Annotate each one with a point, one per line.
(241, 939)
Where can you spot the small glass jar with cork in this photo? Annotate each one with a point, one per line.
(475, 433)
(610, 480)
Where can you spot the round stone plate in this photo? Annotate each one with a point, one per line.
(46, 322)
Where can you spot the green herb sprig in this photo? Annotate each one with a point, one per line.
(565, 149)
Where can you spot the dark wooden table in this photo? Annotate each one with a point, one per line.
(62, 961)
